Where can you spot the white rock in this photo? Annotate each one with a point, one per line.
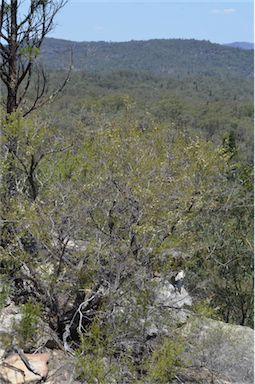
(168, 296)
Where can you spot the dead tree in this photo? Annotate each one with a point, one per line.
(22, 31)
(23, 28)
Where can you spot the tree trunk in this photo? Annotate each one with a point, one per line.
(12, 95)
(13, 46)
(11, 100)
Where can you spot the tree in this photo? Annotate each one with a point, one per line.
(21, 37)
(221, 269)
(104, 220)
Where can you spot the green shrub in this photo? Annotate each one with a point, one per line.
(93, 358)
(205, 309)
(28, 325)
(164, 361)
(4, 292)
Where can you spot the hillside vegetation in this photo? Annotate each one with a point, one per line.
(139, 172)
(241, 45)
(173, 57)
(204, 88)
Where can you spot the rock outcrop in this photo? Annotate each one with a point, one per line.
(215, 352)
(221, 351)
(13, 369)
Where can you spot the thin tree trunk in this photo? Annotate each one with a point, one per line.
(12, 96)
(13, 45)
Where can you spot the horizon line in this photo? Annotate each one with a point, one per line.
(149, 39)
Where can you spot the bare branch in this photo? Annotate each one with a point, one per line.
(37, 104)
(20, 33)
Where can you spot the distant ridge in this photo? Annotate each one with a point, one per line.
(241, 45)
(164, 57)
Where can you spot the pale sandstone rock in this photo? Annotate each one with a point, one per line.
(14, 371)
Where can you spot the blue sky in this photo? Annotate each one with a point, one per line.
(121, 20)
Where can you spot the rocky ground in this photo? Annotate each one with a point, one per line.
(215, 352)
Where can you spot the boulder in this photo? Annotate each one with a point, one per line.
(167, 295)
(224, 351)
(61, 368)
(45, 336)
(14, 371)
(174, 300)
(9, 316)
(165, 307)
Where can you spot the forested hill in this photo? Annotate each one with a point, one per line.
(241, 45)
(172, 57)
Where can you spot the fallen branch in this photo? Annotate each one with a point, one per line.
(27, 363)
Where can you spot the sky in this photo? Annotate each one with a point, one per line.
(122, 20)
